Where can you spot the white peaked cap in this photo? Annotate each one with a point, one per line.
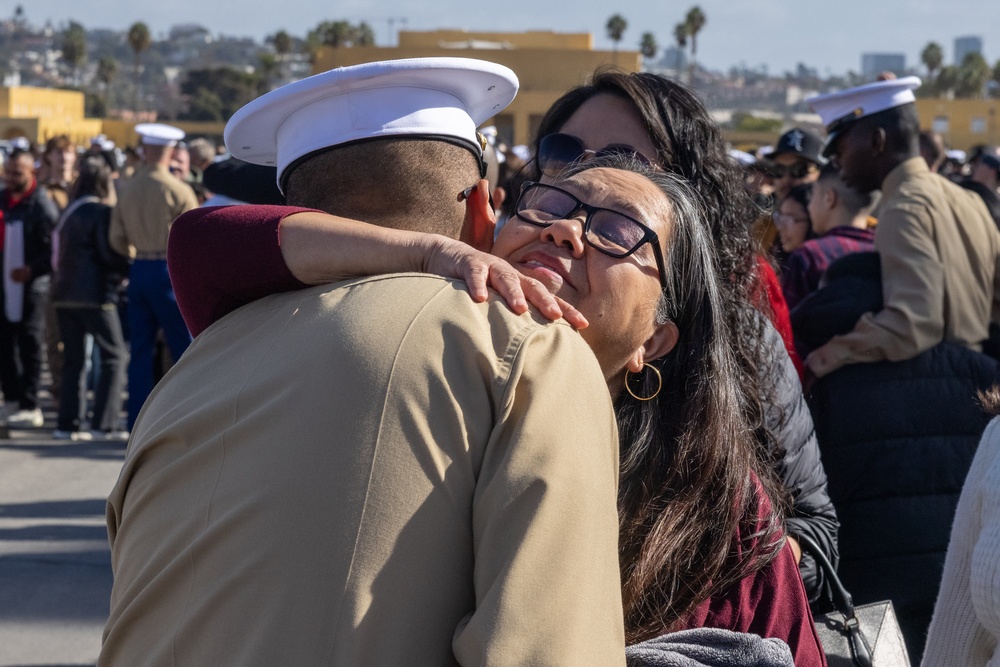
(845, 106)
(158, 134)
(838, 110)
(432, 97)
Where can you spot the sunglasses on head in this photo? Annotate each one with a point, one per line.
(797, 170)
(558, 151)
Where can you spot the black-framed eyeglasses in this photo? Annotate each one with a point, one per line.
(558, 151)
(797, 170)
(606, 230)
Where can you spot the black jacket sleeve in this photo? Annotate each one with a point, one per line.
(40, 221)
(108, 258)
(800, 468)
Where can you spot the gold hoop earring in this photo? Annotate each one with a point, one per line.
(659, 384)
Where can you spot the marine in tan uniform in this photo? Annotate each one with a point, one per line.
(937, 243)
(140, 224)
(381, 471)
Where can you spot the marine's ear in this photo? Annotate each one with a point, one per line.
(480, 221)
(663, 340)
(880, 140)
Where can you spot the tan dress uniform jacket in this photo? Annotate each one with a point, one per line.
(147, 206)
(939, 250)
(381, 472)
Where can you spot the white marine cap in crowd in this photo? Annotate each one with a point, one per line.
(955, 154)
(742, 157)
(443, 98)
(98, 140)
(158, 134)
(838, 110)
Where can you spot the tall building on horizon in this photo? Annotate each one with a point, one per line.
(673, 59)
(966, 45)
(873, 64)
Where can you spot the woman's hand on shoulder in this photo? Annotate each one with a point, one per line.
(481, 271)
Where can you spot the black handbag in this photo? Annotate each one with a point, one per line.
(866, 635)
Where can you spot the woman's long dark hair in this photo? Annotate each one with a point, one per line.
(695, 469)
(93, 179)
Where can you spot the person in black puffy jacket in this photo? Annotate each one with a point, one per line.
(897, 440)
(85, 293)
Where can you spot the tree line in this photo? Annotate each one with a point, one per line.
(210, 92)
(685, 35)
(968, 79)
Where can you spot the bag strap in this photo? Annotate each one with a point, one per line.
(839, 596)
(861, 653)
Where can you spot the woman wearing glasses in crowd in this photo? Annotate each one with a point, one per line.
(701, 543)
(793, 223)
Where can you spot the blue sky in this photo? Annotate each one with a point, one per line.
(779, 33)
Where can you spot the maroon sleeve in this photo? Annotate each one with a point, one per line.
(221, 258)
(771, 602)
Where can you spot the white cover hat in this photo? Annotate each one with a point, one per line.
(843, 107)
(444, 97)
(158, 134)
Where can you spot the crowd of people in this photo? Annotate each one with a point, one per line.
(693, 361)
(74, 226)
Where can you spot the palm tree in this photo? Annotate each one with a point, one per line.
(946, 81)
(616, 28)
(364, 35)
(648, 46)
(932, 57)
(138, 40)
(283, 45)
(694, 21)
(74, 48)
(282, 42)
(107, 70)
(972, 76)
(681, 35)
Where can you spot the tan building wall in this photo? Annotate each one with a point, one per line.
(42, 113)
(29, 102)
(547, 65)
(962, 123)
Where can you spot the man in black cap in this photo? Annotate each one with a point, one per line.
(795, 160)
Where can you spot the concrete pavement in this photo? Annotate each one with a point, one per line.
(55, 565)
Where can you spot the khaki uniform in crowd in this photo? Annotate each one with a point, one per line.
(379, 472)
(939, 250)
(140, 225)
(146, 208)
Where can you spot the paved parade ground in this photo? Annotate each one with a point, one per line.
(55, 565)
